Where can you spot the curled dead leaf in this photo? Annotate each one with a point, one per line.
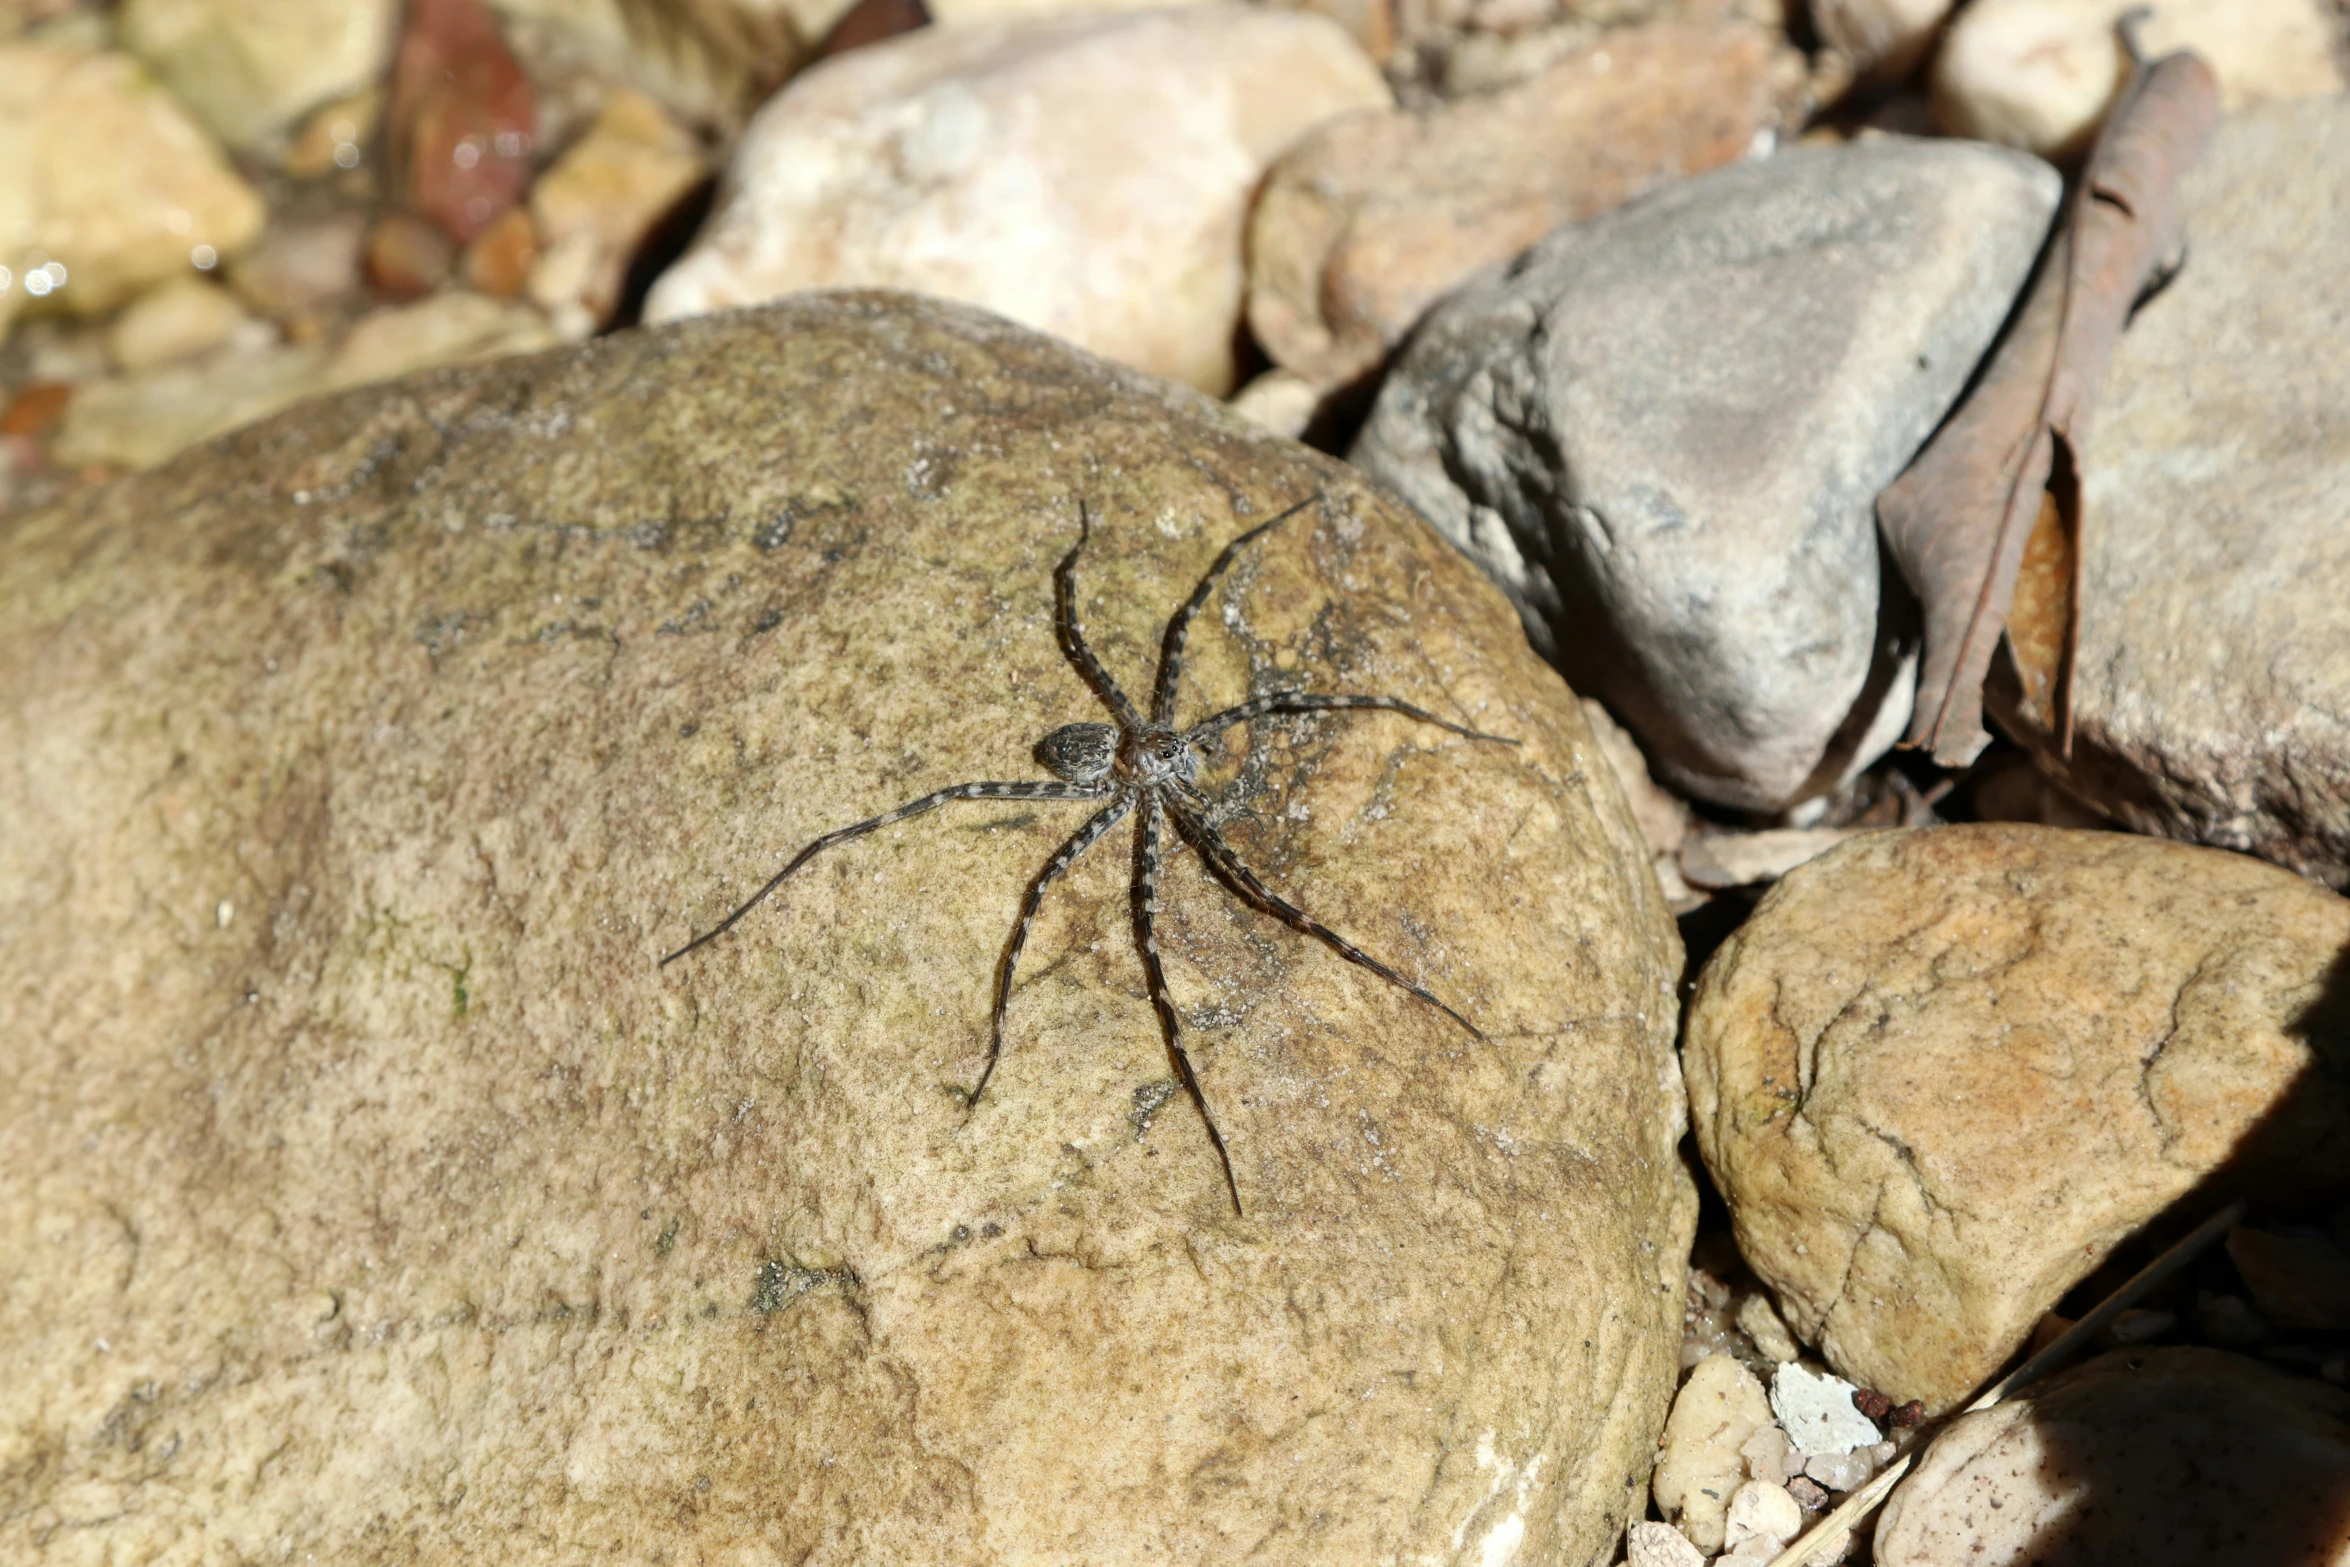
(2005, 471)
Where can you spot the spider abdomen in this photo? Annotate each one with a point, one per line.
(1079, 753)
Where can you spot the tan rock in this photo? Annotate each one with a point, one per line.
(112, 225)
(1763, 1518)
(1375, 215)
(604, 195)
(1087, 175)
(1883, 40)
(177, 319)
(447, 329)
(1281, 401)
(972, 13)
(300, 264)
(1650, 1544)
(138, 420)
(2040, 74)
(373, 1194)
(1941, 1074)
(250, 68)
(2159, 1458)
(2212, 700)
(1716, 1413)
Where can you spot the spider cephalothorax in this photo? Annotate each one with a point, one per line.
(1144, 765)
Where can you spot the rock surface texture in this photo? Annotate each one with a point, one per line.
(373, 1194)
(2212, 695)
(1663, 431)
(1940, 1074)
(2159, 1458)
(2040, 74)
(1371, 218)
(1088, 175)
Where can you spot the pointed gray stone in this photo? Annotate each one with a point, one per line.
(1663, 431)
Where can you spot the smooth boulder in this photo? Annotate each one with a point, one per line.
(2211, 694)
(1941, 1074)
(376, 1195)
(1663, 432)
(1088, 174)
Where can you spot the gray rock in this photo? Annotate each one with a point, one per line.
(1663, 432)
(2212, 699)
(371, 1194)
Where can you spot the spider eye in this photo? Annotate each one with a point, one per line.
(1079, 753)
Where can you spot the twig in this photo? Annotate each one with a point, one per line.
(1864, 1501)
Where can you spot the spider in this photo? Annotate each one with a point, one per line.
(1136, 764)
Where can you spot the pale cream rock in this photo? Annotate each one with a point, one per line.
(1763, 1517)
(601, 198)
(1940, 1074)
(1716, 1413)
(373, 1194)
(2157, 1458)
(104, 178)
(138, 420)
(1281, 401)
(177, 319)
(1652, 1544)
(1884, 40)
(1760, 1319)
(442, 329)
(250, 68)
(1744, 859)
(2040, 74)
(1087, 175)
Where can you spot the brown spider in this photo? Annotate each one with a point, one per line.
(1136, 762)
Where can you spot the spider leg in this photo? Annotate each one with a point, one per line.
(1307, 702)
(1063, 857)
(1179, 625)
(1073, 638)
(1041, 789)
(1245, 882)
(1146, 904)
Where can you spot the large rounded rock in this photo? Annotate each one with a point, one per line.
(1663, 431)
(1941, 1074)
(372, 1193)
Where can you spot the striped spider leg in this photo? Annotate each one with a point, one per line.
(1135, 765)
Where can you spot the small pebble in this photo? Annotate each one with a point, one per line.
(1760, 1319)
(1770, 1456)
(1761, 1511)
(1809, 1494)
(1841, 1471)
(2142, 1327)
(1652, 1544)
(2229, 1321)
(1817, 1411)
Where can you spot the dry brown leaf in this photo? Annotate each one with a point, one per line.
(1958, 520)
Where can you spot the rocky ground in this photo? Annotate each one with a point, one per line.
(426, 601)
